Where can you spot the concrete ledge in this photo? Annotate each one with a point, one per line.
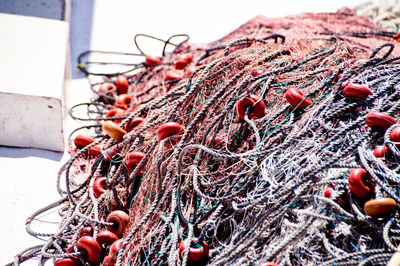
(31, 121)
(34, 67)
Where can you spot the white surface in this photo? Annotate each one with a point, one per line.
(33, 55)
(28, 182)
(32, 73)
(114, 23)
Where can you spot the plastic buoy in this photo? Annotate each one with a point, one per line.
(99, 186)
(152, 60)
(198, 253)
(169, 129)
(114, 131)
(116, 112)
(86, 231)
(356, 91)
(106, 237)
(395, 136)
(252, 101)
(92, 248)
(183, 60)
(377, 207)
(123, 101)
(380, 151)
(360, 183)
(109, 261)
(133, 123)
(115, 247)
(122, 84)
(380, 120)
(133, 158)
(174, 74)
(81, 141)
(120, 220)
(67, 262)
(296, 99)
(106, 87)
(95, 150)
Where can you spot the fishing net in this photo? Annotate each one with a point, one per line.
(383, 12)
(276, 143)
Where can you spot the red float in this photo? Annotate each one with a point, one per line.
(115, 247)
(183, 60)
(252, 101)
(360, 183)
(174, 74)
(380, 120)
(395, 136)
(106, 87)
(132, 159)
(116, 112)
(196, 254)
(123, 101)
(120, 221)
(356, 91)
(81, 141)
(169, 129)
(86, 231)
(92, 248)
(109, 261)
(106, 237)
(67, 262)
(152, 60)
(380, 151)
(122, 84)
(296, 99)
(95, 150)
(99, 186)
(133, 123)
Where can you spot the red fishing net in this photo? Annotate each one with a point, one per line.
(233, 146)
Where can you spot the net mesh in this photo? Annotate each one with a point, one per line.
(254, 186)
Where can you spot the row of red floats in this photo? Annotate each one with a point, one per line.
(95, 250)
(177, 72)
(351, 91)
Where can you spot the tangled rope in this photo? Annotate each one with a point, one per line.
(382, 12)
(242, 151)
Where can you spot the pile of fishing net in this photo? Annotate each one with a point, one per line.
(275, 145)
